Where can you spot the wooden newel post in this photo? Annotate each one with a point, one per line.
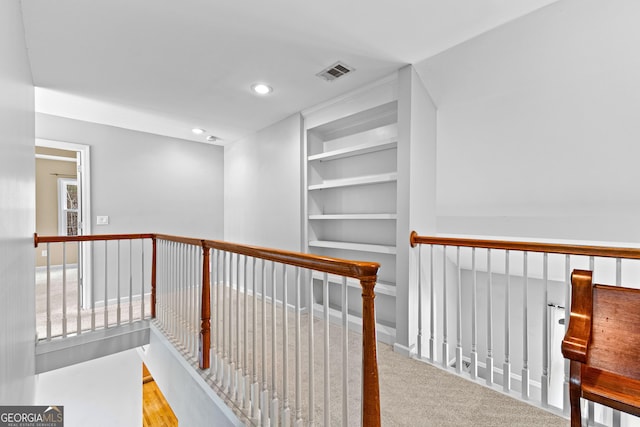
(205, 321)
(370, 383)
(153, 277)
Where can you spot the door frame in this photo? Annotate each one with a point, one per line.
(83, 161)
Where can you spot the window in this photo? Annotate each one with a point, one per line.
(67, 207)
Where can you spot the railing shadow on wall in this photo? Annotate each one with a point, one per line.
(493, 311)
(233, 309)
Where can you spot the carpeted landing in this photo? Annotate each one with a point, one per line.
(414, 393)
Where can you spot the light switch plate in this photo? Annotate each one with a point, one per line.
(102, 220)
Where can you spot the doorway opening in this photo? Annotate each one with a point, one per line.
(63, 205)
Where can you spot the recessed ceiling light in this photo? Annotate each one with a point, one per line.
(198, 131)
(212, 138)
(261, 89)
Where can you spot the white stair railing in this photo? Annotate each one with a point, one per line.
(499, 301)
(92, 283)
(253, 335)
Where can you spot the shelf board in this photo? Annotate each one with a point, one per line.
(382, 287)
(356, 150)
(355, 216)
(358, 180)
(364, 247)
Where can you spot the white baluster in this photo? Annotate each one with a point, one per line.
(506, 366)
(616, 419)
(230, 362)
(79, 290)
(544, 380)
(64, 289)
(311, 353)
(459, 314)
(298, 422)
(474, 326)
(225, 317)
(525, 335)
(106, 284)
(178, 297)
(172, 290)
(184, 289)
(238, 373)
(325, 303)
(345, 353)
(274, 391)
(286, 410)
(188, 310)
(215, 372)
(247, 379)
(590, 404)
(255, 409)
(489, 368)
(131, 279)
(567, 315)
(445, 321)
(93, 295)
(196, 264)
(264, 398)
(419, 343)
(118, 309)
(187, 298)
(48, 292)
(432, 308)
(142, 313)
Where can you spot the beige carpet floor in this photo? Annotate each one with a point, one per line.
(414, 393)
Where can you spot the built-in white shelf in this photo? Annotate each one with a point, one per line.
(363, 247)
(384, 333)
(382, 287)
(358, 180)
(369, 147)
(354, 216)
(351, 179)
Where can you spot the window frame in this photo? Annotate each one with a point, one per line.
(63, 183)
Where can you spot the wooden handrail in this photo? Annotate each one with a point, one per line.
(90, 238)
(552, 248)
(357, 269)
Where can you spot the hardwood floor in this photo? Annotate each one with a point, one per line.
(156, 412)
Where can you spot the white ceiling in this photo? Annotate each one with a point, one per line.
(166, 66)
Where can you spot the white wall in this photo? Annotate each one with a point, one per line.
(262, 187)
(192, 400)
(17, 211)
(416, 193)
(102, 392)
(147, 183)
(538, 127)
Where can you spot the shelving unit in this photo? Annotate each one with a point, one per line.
(351, 212)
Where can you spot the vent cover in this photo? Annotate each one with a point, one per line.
(335, 71)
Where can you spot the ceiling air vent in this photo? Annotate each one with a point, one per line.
(335, 71)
